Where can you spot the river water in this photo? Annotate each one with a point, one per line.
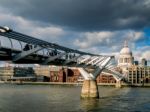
(50, 98)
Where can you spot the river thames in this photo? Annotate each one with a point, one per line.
(51, 98)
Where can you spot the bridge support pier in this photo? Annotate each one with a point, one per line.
(118, 84)
(89, 89)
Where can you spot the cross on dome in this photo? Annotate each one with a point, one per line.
(125, 44)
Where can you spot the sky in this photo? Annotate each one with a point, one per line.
(96, 26)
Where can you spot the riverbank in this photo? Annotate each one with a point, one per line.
(74, 84)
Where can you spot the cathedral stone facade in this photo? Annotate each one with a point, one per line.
(125, 58)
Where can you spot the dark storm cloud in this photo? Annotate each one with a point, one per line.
(84, 15)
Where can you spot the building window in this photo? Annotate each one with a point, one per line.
(125, 60)
(121, 60)
(129, 60)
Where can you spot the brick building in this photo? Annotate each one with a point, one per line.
(49, 74)
(103, 78)
(64, 75)
(73, 75)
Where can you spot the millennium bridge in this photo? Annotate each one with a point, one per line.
(31, 50)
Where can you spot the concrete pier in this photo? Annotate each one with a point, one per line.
(118, 84)
(89, 89)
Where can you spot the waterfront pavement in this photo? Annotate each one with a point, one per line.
(77, 84)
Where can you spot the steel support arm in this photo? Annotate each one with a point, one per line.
(89, 60)
(97, 71)
(73, 59)
(115, 74)
(100, 60)
(26, 53)
(86, 59)
(93, 60)
(53, 58)
(100, 68)
(85, 74)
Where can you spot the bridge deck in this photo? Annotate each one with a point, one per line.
(6, 54)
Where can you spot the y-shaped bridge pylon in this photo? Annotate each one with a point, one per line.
(90, 88)
(110, 69)
(102, 64)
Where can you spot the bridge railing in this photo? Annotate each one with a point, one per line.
(47, 49)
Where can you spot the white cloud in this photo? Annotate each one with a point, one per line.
(111, 42)
(133, 35)
(31, 27)
(107, 38)
(52, 32)
(142, 52)
(89, 39)
(146, 55)
(108, 42)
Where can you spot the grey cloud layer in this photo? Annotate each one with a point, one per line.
(98, 26)
(84, 15)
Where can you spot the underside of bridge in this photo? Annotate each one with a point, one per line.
(54, 54)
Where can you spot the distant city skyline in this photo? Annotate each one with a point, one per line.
(94, 26)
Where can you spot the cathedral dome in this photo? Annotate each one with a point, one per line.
(125, 57)
(125, 50)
